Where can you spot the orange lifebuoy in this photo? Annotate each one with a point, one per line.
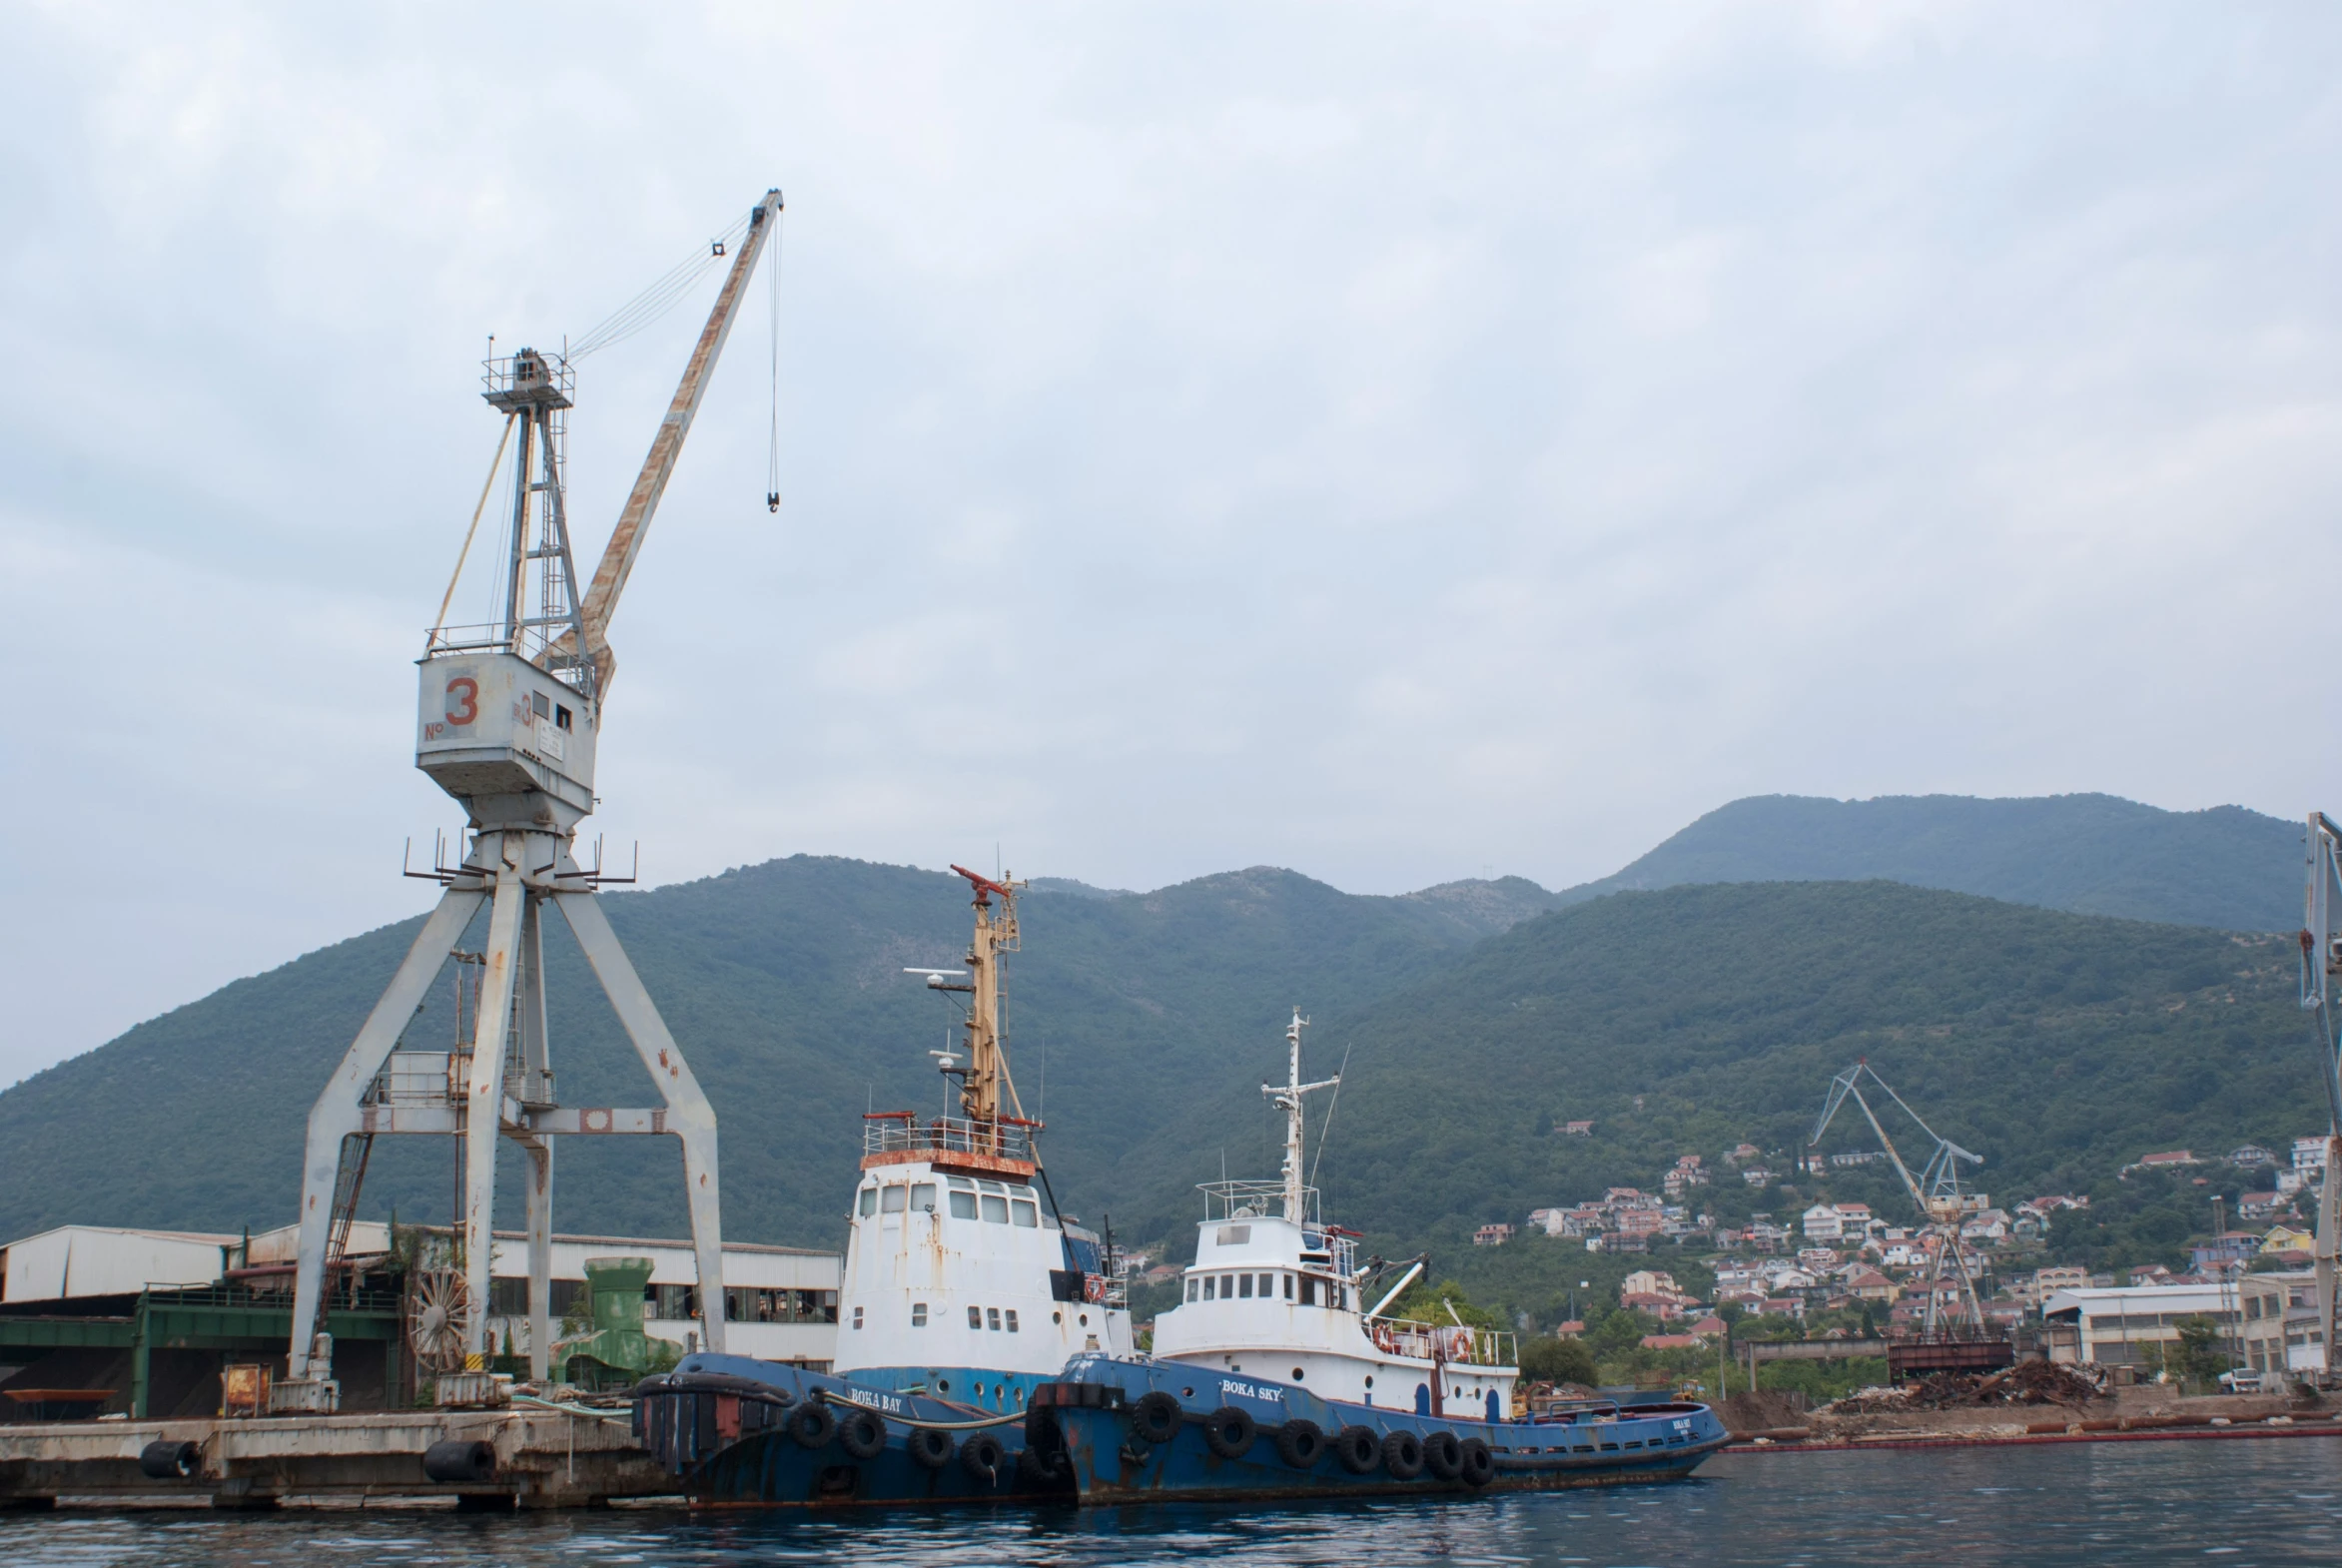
(1094, 1288)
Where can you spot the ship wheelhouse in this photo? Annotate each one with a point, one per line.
(1276, 1292)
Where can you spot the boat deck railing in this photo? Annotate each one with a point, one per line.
(902, 1132)
(1457, 1345)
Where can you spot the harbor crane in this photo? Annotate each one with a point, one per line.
(1935, 1191)
(2321, 967)
(510, 716)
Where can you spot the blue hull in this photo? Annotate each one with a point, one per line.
(721, 1426)
(1092, 1411)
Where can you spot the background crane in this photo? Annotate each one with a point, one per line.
(510, 716)
(1935, 1191)
(2321, 965)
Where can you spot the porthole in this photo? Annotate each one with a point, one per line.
(1187, 1393)
(1297, 1374)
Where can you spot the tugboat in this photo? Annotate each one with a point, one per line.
(1273, 1380)
(965, 1291)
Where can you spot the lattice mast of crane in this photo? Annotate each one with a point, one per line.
(1935, 1191)
(2321, 967)
(508, 722)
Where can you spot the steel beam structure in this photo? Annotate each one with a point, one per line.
(508, 724)
(2321, 970)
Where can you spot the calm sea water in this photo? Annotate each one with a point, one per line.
(2223, 1502)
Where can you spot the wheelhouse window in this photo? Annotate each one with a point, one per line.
(1024, 1214)
(996, 1210)
(1309, 1291)
(923, 1197)
(1193, 1292)
(1243, 1285)
(890, 1200)
(1268, 1285)
(1288, 1287)
(963, 1204)
(1211, 1287)
(869, 1202)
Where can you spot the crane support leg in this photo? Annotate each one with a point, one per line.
(689, 1115)
(336, 1113)
(541, 1257)
(483, 1101)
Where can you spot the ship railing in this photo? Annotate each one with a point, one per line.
(1450, 1342)
(902, 1132)
(1224, 1200)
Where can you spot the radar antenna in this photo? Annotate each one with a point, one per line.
(1287, 1096)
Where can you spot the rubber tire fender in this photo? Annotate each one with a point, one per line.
(1041, 1471)
(982, 1457)
(1402, 1456)
(460, 1459)
(168, 1461)
(1155, 1417)
(862, 1434)
(812, 1424)
(1300, 1443)
(1359, 1450)
(1443, 1457)
(1229, 1431)
(1479, 1464)
(930, 1449)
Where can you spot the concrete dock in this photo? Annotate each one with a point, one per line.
(534, 1458)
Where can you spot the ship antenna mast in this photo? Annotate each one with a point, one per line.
(987, 1093)
(1287, 1096)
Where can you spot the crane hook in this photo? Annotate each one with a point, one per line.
(772, 500)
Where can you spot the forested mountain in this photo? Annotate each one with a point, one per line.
(784, 984)
(2091, 854)
(1691, 1020)
(1474, 1016)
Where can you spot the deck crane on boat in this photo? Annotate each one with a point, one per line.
(2321, 975)
(510, 716)
(1935, 1191)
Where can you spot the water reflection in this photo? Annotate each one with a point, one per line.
(2274, 1501)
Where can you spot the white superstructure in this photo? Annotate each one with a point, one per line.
(1277, 1293)
(946, 1271)
(961, 1278)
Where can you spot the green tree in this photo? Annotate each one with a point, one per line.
(1546, 1359)
(1619, 1334)
(1427, 1304)
(2199, 1357)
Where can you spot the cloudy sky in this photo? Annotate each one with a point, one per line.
(1397, 442)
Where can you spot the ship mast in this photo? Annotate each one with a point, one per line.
(1287, 1096)
(987, 1083)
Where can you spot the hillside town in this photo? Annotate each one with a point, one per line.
(1846, 1272)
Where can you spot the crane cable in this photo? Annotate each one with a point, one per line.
(772, 466)
(494, 465)
(662, 296)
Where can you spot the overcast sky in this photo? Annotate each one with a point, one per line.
(1394, 442)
